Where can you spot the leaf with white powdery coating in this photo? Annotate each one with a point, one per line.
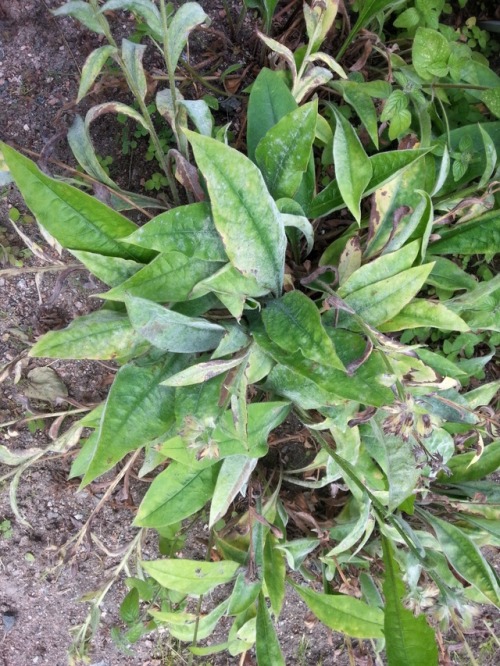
(171, 331)
(233, 475)
(244, 212)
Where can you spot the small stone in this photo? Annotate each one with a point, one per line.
(9, 620)
(78, 516)
(26, 127)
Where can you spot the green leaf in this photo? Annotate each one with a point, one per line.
(343, 613)
(186, 18)
(176, 493)
(367, 11)
(293, 322)
(100, 335)
(274, 573)
(191, 577)
(244, 594)
(187, 229)
(110, 270)
(430, 53)
(353, 168)
(83, 12)
(420, 313)
(463, 469)
(364, 107)
(381, 268)
(447, 275)
(233, 477)
(283, 153)
(492, 100)
(267, 647)
(129, 608)
(77, 220)
(409, 640)
(244, 213)
(171, 331)
(92, 68)
(478, 236)
(465, 557)
(385, 166)
(132, 55)
(169, 277)
(383, 300)
(144, 8)
(185, 626)
(199, 112)
(490, 153)
(137, 410)
(270, 100)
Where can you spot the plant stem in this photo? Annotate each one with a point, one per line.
(457, 86)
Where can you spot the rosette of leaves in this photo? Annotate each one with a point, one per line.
(221, 331)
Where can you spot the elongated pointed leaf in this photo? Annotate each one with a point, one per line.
(383, 300)
(284, 153)
(409, 640)
(267, 647)
(274, 573)
(137, 410)
(75, 219)
(353, 167)
(233, 475)
(100, 335)
(92, 68)
(172, 331)
(186, 18)
(420, 313)
(191, 577)
(270, 100)
(342, 613)
(386, 166)
(294, 323)
(176, 493)
(202, 372)
(132, 55)
(169, 277)
(244, 213)
(187, 628)
(479, 236)
(187, 229)
(466, 558)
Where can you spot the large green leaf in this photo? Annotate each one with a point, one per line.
(479, 236)
(171, 331)
(343, 613)
(244, 212)
(169, 277)
(385, 166)
(77, 220)
(353, 168)
(100, 335)
(137, 410)
(294, 323)
(191, 577)
(465, 557)
(187, 229)
(430, 53)
(409, 640)
(382, 300)
(176, 493)
(284, 153)
(270, 100)
(463, 468)
(267, 647)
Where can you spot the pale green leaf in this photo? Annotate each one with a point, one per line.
(132, 55)
(267, 647)
(202, 372)
(92, 68)
(430, 53)
(233, 477)
(191, 577)
(186, 18)
(144, 8)
(343, 613)
(420, 313)
(110, 270)
(83, 12)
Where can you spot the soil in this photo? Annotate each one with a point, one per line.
(42, 582)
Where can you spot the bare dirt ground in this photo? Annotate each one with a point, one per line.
(40, 61)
